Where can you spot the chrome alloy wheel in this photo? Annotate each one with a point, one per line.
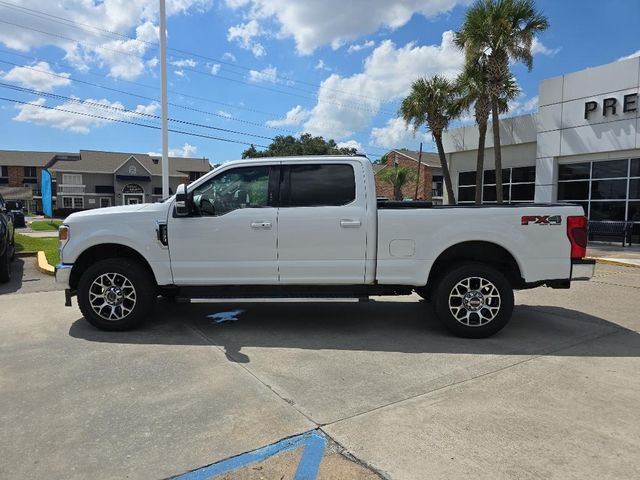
(112, 296)
(474, 301)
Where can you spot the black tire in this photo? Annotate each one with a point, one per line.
(104, 281)
(5, 266)
(490, 304)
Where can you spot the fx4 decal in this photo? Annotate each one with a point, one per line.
(541, 219)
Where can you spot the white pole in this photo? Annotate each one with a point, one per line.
(163, 80)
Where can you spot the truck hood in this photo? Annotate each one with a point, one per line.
(117, 213)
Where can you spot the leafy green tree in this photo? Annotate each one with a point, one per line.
(433, 102)
(284, 146)
(398, 177)
(473, 87)
(502, 31)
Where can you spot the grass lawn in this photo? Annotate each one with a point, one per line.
(46, 225)
(30, 244)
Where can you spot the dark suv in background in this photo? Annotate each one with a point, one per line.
(7, 242)
(16, 209)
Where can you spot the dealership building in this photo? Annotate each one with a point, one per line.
(582, 146)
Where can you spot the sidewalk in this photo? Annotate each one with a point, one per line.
(614, 253)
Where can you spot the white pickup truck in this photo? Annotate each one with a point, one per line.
(311, 227)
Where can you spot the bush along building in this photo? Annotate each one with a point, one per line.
(429, 180)
(92, 179)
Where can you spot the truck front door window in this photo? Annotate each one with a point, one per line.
(245, 187)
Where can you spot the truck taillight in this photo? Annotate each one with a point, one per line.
(577, 233)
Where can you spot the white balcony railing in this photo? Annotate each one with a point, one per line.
(71, 189)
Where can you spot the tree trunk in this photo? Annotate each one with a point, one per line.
(445, 169)
(482, 134)
(415, 197)
(495, 120)
(397, 190)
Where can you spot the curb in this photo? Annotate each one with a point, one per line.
(43, 265)
(606, 261)
(26, 254)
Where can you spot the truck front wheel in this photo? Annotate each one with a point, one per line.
(116, 294)
(474, 300)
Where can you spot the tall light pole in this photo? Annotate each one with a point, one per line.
(163, 99)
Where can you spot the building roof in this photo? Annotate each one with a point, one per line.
(428, 158)
(377, 167)
(16, 158)
(94, 161)
(16, 193)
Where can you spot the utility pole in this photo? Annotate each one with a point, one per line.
(415, 197)
(163, 99)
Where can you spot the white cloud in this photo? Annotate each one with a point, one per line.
(229, 57)
(293, 117)
(396, 134)
(322, 66)
(521, 105)
(361, 46)
(184, 62)
(215, 69)
(334, 22)
(244, 34)
(538, 47)
(67, 120)
(352, 144)
(268, 74)
(632, 55)
(179, 73)
(348, 104)
(224, 114)
(91, 47)
(187, 150)
(39, 76)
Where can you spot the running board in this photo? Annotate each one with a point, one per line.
(273, 300)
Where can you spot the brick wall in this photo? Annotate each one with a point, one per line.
(16, 177)
(385, 189)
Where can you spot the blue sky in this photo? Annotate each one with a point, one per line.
(247, 70)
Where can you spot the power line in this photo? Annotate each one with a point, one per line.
(68, 22)
(129, 122)
(144, 97)
(124, 110)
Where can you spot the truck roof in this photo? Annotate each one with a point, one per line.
(296, 159)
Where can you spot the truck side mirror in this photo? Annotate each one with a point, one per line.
(182, 201)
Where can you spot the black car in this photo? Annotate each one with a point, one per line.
(17, 211)
(7, 242)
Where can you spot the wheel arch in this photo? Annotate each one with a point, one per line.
(101, 252)
(476, 251)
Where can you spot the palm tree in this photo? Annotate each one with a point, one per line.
(433, 102)
(473, 87)
(503, 32)
(398, 177)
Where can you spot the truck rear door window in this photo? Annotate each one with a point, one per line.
(321, 185)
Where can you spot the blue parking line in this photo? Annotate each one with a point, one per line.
(314, 443)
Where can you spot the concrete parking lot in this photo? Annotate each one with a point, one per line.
(554, 395)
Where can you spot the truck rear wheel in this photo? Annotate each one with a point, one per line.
(5, 266)
(116, 294)
(474, 300)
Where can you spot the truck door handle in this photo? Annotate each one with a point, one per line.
(261, 225)
(344, 223)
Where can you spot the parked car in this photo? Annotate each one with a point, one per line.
(7, 242)
(17, 211)
(310, 227)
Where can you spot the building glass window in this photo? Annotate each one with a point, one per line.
(73, 202)
(608, 190)
(30, 172)
(518, 185)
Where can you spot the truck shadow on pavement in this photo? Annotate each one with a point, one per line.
(377, 326)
